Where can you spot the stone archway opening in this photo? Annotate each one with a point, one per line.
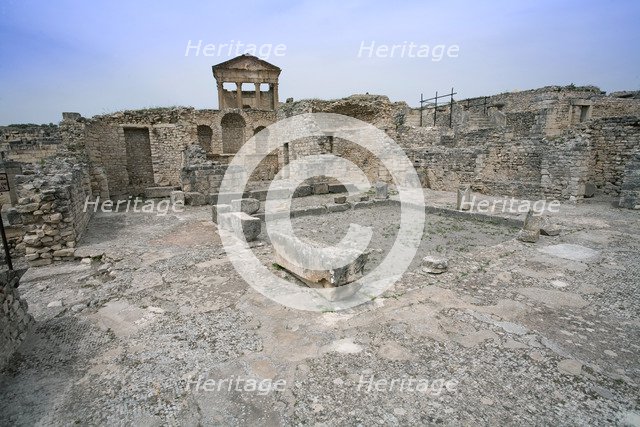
(233, 126)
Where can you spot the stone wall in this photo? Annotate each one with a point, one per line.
(170, 132)
(50, 209)
(630, 190)
(15, 320)
(29, 143)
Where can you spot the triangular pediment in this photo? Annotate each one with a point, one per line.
(245, 62)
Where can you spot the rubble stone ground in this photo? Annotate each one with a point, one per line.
(522, 333)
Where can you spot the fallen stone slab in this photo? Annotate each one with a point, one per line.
(293, 256)
(241, 224)
(434, 265)
(572, 252)
(247, 205)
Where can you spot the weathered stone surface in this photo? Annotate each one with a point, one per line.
(528, 236)
(547, 228)
(219, 209)
(158, 192)
(64, 252)
(532, 221)
(572, 252)
(176, 197)
(382, 190)
(434, 265)
(364, 204)
(337, 188)
(303, 191)
(463, 199)
(340, 199)
(321, 188)
(14, 315)
(241, 224)
(195, 199)
(246, 205)
(589, 190)
(338, 207)
(293, 256)
(308, 210)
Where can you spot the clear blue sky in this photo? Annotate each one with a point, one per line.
(95, 57)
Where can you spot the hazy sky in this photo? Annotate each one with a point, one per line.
(96, 57)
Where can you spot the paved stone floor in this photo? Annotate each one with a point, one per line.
(512, 333)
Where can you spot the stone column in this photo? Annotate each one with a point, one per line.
(220, 95)
(275, 96)
(257, 85)
(239, 94)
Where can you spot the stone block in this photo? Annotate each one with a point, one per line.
(532, 221)
(241, 224)
(176, 197)
(195, 199)
(321, 188)
(463, 200)
(296, 258)
(528, 236)
(382, 190)
(309, 210)
(338, 207)
(303, 191)
(434, 265)
(547, 228)
(158, 192)
(246, 205)
(68, 252)
(217, 210)
(365, 204)
(340, 199)
(589, 190)
(337, 188)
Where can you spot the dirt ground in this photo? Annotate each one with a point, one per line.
(512, 333)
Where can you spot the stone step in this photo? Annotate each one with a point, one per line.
(159, 192)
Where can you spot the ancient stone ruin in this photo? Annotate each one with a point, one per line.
(524, 274)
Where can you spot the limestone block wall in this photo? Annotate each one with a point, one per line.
(614, 140)
(170, 132)
(630, 190)
(15, 320)
(50, 209)
(29, 143)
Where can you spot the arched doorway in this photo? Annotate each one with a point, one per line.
(204, 137)
(232, 133)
